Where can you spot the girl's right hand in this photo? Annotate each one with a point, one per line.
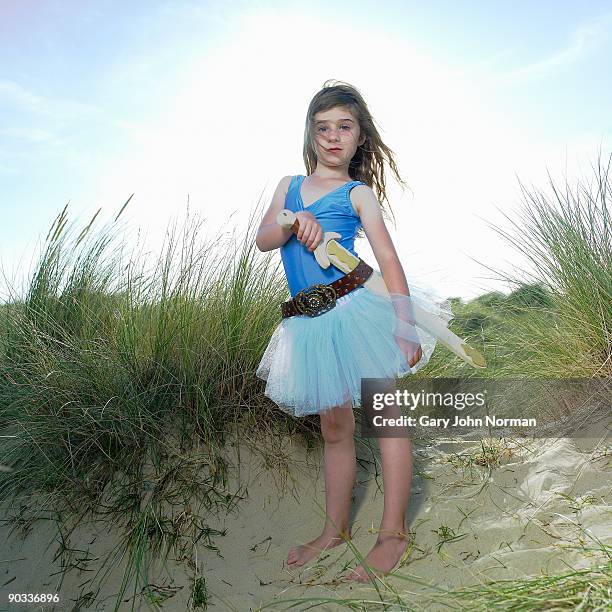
(310, 232)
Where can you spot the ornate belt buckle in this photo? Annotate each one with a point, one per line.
(314, 301)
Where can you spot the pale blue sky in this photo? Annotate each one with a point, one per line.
(102, 99)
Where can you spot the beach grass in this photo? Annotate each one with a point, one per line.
(111, 373)
(583, 589)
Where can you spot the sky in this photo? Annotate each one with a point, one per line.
(203, 104)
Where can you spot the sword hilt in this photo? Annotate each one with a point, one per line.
(287, 219)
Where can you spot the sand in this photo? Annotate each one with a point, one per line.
(525, 517)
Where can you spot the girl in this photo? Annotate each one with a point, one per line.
(315, 361)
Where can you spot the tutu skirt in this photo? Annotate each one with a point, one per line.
(313, 364)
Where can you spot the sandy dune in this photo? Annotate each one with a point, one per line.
(527, 516)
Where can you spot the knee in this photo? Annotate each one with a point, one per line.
(338, 427)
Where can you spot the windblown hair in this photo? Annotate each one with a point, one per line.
(367, 164)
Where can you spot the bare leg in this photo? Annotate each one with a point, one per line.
(337, 428)
(392, 539)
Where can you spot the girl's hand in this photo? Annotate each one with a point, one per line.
(411, 350)
(310, 233)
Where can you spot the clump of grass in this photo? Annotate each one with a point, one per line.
(557, 320)
(578, 503)
(99, 367)
(110, 370)
(200, 593)
(583, 589)
(559, 317)
(447, 534)
(491, 455)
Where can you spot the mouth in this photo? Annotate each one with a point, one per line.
(336, 149)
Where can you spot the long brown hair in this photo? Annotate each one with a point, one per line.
(367, 164)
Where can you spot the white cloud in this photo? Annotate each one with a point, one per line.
(13, 92)
(33, 135)
(586, 38)
(57, 108)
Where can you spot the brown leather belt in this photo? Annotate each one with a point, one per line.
(317, 299)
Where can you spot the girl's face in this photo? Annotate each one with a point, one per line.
(337, 135)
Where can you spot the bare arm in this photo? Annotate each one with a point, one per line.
(367, 207)
(271, 235)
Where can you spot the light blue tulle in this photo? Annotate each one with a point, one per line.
(313, 364)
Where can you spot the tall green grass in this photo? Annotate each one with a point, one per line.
(556, 322)
(112, 375)
(560, 312)
(104, 360)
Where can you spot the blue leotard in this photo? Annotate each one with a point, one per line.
(335, 213)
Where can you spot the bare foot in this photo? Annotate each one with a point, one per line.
(301, 554)
(383, 557)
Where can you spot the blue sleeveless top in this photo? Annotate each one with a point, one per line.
(335, 212)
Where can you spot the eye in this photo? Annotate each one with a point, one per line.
(348, 127)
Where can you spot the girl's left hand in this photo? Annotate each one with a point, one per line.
(411, 350)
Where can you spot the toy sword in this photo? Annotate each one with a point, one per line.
(329, 251)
